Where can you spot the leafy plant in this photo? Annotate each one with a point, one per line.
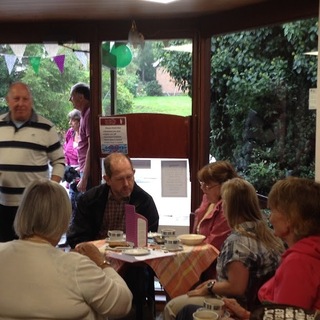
(260, 82)
(153, 88)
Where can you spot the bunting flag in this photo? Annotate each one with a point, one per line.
(82, 58)
(84, 47)
(10, 61)
(18, 50)
(35, 63)
(59, 60)
(52, 49)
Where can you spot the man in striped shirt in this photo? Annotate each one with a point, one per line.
(29, 143)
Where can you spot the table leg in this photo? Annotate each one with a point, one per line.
(140, 280)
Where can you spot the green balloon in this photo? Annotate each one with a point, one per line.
(106, 46)
(123, 55)
(109, 60)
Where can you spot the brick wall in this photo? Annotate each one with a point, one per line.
(166, 82)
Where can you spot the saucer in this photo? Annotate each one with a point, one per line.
(179, 248)
(116, 240)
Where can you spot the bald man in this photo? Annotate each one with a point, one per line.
(28, 143)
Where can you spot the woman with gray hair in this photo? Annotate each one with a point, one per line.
(47, 283)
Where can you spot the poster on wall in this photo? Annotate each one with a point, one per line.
(113, 134)
(174, 178)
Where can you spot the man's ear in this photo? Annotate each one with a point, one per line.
(106, 179)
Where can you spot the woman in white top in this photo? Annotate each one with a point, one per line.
(39, 281)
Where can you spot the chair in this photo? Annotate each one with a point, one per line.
(253, 288)
(191, 221)
(263, 201)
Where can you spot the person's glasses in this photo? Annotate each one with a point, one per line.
(207, 187)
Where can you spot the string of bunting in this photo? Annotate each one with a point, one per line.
(35, 61)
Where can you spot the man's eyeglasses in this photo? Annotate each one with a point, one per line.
(207, 187)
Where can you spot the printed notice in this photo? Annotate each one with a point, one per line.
(113, 134)
(174, 178)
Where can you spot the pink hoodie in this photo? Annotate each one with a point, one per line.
(297, 279)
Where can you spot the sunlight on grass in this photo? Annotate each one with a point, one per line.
(179, 105)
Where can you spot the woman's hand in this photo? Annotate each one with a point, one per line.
(91, 251)
(235, 309)
(200, 290)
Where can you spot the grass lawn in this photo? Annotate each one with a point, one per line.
(179, 105)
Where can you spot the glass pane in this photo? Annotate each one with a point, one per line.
(260, 115)
(142, 80)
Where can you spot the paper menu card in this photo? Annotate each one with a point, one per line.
(136, 227)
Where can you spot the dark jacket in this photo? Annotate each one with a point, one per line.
(90, 210)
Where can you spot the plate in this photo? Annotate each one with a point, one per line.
(120, 248)
(191, 239)
(136, 252)
(180, 248)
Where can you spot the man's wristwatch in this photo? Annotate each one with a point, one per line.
(210, 286)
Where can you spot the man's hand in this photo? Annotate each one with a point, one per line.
(55, 178)
(82, 185)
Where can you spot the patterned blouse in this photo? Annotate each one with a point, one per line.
(260, 260)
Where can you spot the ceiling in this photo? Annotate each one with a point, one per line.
(44, 10)
(23, 21)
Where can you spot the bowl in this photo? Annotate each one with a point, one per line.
(191, 239)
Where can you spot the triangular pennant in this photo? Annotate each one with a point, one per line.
(18, 50)
(10, 61)
(52, 49)
(84, 46)
(35, 63)
(82, 58)
(59, 60)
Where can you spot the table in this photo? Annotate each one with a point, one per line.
(176, 271)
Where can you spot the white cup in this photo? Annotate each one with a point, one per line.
(206, 314)
(215, 305)
(171, 243)
(115, 235)
(168, 233)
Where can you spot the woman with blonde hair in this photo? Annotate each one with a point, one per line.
(47, 283)
(248, 257)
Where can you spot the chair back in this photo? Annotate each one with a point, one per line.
(191, 222)
(253, 288)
